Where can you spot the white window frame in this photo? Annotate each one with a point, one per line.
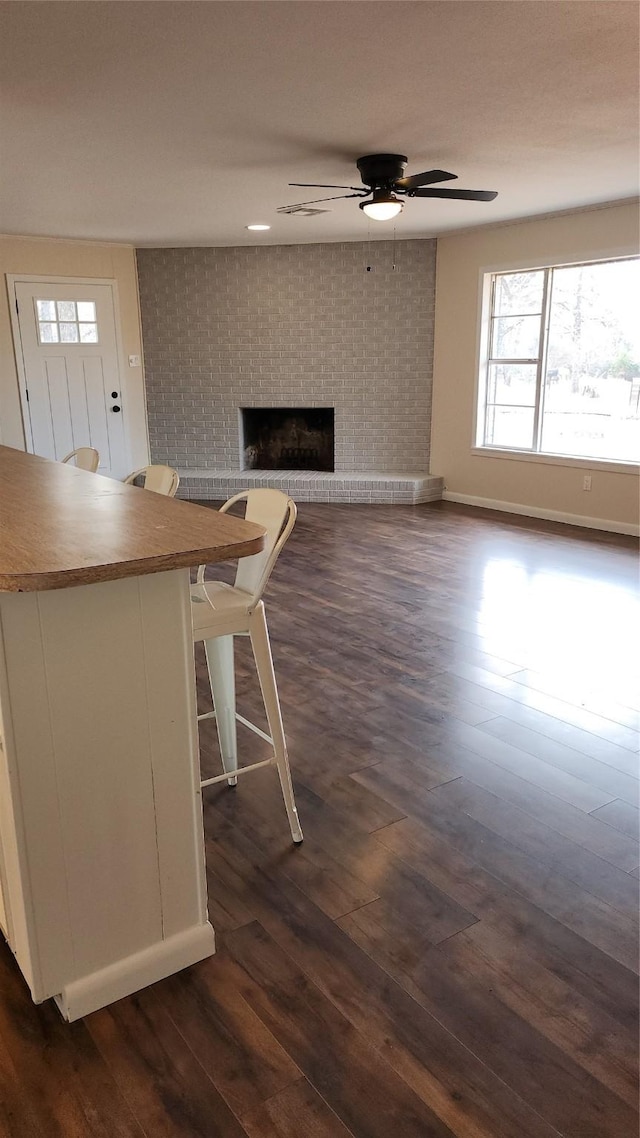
(486, 293)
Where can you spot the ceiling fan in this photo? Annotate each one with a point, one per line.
(383, 178)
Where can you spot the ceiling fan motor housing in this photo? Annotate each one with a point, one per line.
(381, 169)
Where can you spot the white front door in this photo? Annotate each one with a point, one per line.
(72, 394)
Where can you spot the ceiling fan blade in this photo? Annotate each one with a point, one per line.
(465, 195)
(321, 186)
(336, 197)
(425, 179)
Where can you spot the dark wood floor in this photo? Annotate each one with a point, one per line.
(453, 949)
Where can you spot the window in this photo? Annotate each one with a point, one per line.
(561, 373)
(67, 322)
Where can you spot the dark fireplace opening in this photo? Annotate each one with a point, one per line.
(287, 438)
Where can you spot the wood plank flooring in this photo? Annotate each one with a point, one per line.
(453, 949)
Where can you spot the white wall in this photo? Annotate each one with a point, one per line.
(529, 486)
(73, 259)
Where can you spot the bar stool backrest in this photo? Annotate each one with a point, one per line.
(277, 513)
(160, 479)
(86, 458)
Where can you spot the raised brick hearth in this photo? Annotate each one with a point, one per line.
(314, 486)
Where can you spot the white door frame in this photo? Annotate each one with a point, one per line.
(36, 278)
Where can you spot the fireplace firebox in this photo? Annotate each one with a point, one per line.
(287, 438)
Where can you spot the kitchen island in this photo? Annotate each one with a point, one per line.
(102, 882)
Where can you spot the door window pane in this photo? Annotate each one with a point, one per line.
(69, 333)
(66, 310)
(86, 310)
(46, 309)
(49, 334)
(88, 333)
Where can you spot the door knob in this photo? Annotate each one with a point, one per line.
(115, 408)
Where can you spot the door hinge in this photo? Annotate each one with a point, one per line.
(26, 391)
(17, 307)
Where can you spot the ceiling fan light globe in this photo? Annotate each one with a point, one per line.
(383, 207)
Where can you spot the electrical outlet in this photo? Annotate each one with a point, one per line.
(586, 482)
(134, 361)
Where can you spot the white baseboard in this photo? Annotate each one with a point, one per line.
(630, 528)
(81, 997)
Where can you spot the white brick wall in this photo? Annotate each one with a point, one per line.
(290, 326)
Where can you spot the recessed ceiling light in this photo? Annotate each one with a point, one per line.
(257, 227)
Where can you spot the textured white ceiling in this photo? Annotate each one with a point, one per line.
(178, 123)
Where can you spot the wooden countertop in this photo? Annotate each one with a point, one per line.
(60, 526)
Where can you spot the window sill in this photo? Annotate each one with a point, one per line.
(559, 460)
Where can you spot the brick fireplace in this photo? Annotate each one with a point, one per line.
(345, 326)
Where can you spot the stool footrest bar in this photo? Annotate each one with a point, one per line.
(245, 723)
(232, 774)
(256, 730)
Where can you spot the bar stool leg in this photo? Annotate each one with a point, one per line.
(220, 663)
(259, 635)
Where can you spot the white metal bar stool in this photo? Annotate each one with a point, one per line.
(160, 479)
(86, 458)
(221, 612)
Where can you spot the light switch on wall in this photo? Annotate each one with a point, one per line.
(134, 361)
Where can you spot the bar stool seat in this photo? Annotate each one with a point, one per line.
(229, 605)
(220, 612)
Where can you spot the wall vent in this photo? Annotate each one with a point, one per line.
(301, 210)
